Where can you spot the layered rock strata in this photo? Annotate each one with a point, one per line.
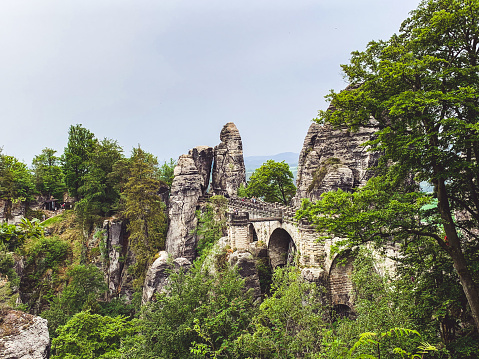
(203, 158)
(185, 191)
(333, 159)
(23, 335)
(228, 167)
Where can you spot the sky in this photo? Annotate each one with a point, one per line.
(168, 74)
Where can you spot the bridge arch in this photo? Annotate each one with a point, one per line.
(340, 282)
(281, 248)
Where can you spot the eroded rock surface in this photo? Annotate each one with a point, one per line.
(228, 167)
(333, 159)
(246, 264)
(23, 336)
(203, 158)
(159, 272)
(185, 191)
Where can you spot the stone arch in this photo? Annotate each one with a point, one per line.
(340, 283)
(281, 248)
(252, 235)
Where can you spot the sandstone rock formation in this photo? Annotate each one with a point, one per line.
(228, 167)
(158, 274)
(23, 336)
(185, 191)
(203, 157)
(116, 247)
(333, 159)
(246, 264)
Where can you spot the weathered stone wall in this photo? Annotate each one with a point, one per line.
(11, 213)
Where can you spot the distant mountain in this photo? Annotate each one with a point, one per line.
(253, 162)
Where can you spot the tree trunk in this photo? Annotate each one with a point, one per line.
(455, 251)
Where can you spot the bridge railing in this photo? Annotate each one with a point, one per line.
(259, 209)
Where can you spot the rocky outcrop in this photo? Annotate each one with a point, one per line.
(246, 264)
(228, 167)
(333, 159)
(159, 272)
(203, 158)
(23, 336)
(116, 249)
(11, 212)
(185, 191)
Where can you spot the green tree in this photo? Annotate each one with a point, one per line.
(85, 285)
(289, 323)
(91, 336)
(48, 174)
(99, 193)
(273, 182)
(167, 172)
(16, 181)
(144, 210)
(211, 223)
(199, 315)
(81, 144)
(420, 88)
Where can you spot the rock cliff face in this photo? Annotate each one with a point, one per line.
(333, 159)
(158, 274)
(119, 258)
(185, 191)
(228, 167)
(23, 336)
(203, 157)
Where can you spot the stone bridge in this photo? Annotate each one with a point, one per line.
(275, 226)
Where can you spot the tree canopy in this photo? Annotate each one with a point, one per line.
(273, 182)
(421, 89)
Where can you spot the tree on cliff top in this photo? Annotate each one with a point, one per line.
(273, 182)
(421, 88)
(81, 143)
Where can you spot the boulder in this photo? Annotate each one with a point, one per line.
(23, 336)
(159, 272)
(185, 191)
(203, 158)
(228, 167)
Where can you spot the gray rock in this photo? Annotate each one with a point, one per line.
(158, 274)
(185, 191)
(11, 213)
(203, 157)
(246, 264)
(333, 159)
(23, 336)
(228, 167)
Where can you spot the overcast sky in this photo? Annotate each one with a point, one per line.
(169, 74)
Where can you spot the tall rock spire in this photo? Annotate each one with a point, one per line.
(228, 167)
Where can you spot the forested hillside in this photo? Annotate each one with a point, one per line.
(82, 231)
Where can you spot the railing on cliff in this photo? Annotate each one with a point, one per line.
(263, 210)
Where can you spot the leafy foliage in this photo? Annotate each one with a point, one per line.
(91, 336)
(81, 144)
(201, 313)
(145, 212)
(211, 223)
(273, 182)
(419, 88)
(289, 323)
(49, 178)
(16, 181)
